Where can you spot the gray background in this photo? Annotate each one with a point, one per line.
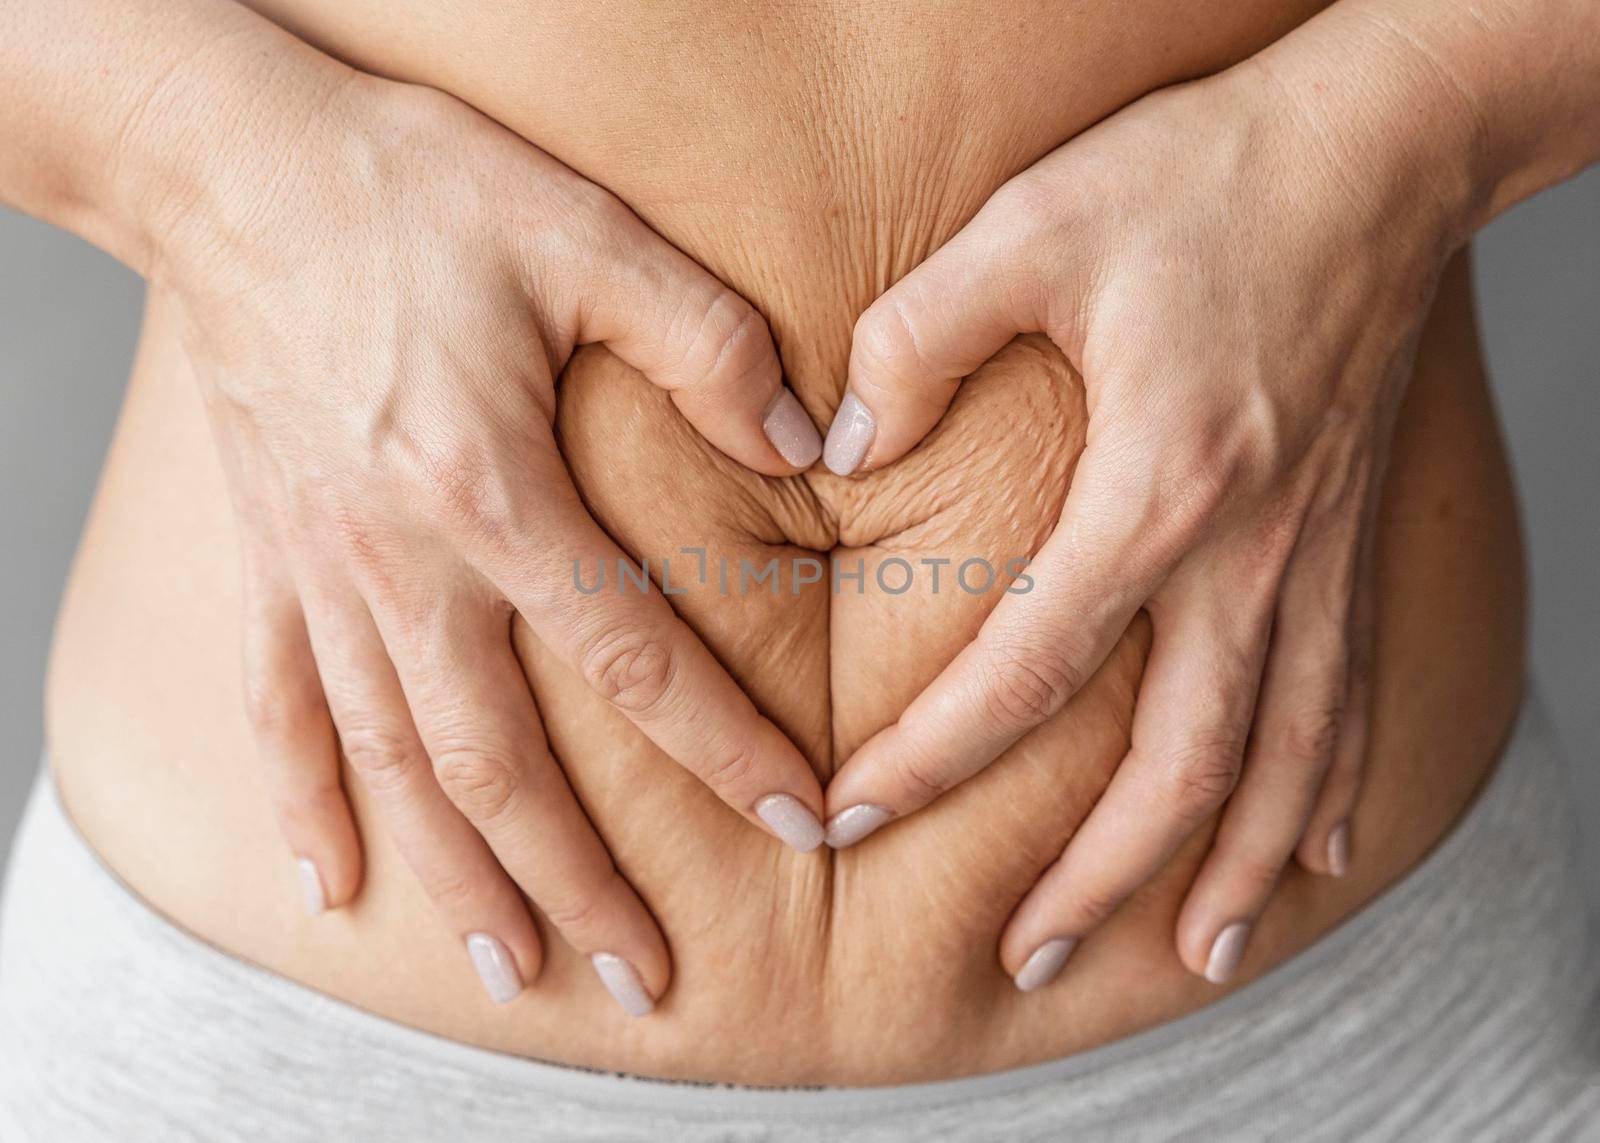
(68, 317)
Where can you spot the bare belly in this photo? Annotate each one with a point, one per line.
(809, 158)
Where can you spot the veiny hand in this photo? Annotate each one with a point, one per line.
(1241, 286)
(377, 314)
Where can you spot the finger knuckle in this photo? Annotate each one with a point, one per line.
(730, 340)
(359, 544)
(383, 758)
(453, 891)
(1225, 456)
(922, 775)
(1200, 776)
(632, 668)
(1276, 536)
(1309, 739)
(1193, 496)
(1095, 906)
(482, 783)
(1249, 439)
(1028, 201)
(608, 215)
(733, 768)
(1223, 452)
(582, 906)
(463, 483)
(885, 339)
(1254, 874)
(576, 220)
(414, 620)
(1028, 684)
(273, 708)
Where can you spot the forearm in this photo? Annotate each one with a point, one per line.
(1490, 101)
(118, 116)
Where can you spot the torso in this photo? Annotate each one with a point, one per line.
(809, 156)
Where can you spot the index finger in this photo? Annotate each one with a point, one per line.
(912, 347)
(687, 333)
(1034, 652)
(635, 652)
(1015, 268)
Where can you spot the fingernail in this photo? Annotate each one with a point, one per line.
(623, 982)
(787, 817)
(849, 436)
(1227, 951)
(315, 900)
(791, 431)
(1339, 850)
(1045, 964)
(496, 969)
(849, 826)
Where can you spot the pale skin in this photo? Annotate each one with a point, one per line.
(1273, 236)
(486, 514)
(378, 365)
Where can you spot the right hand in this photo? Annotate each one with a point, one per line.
(377, 310)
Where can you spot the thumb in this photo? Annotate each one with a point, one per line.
(914, 345)
(689, 334)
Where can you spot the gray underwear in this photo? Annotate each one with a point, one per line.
(1459, 1005)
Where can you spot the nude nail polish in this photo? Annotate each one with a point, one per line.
(1045, 964)
(849, 436)
(495, 967)
(851, 825)
(622, 980)
(791, 431)
(311, 892)
(787, 817)
(1339, 850)
(1227, 951)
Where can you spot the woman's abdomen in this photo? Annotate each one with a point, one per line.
(876, 964)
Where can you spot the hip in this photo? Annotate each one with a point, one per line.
(1455, 1006)
(780, 961)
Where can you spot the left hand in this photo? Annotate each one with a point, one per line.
(1241, 283)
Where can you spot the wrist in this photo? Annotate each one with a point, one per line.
(208, 156)
(1480, 104)
(1409, 144)
(117, 116)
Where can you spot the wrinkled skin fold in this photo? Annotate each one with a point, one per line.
(809, 160)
